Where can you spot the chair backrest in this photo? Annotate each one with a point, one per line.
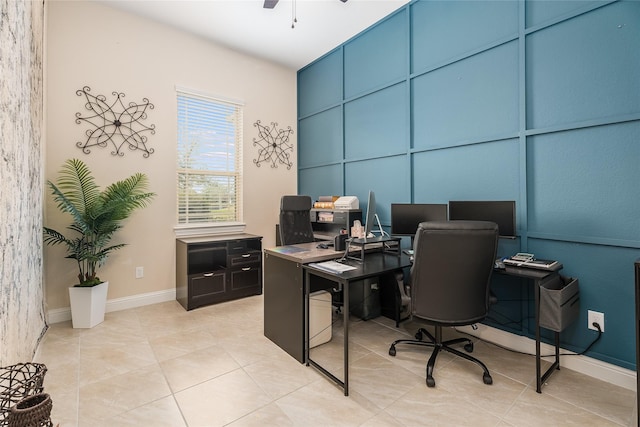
(295, 220)
(451, 272)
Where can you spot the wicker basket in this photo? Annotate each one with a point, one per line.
(33, 411)
(18, 382)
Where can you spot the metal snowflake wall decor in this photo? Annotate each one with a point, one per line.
(274, 145)
(115, 123)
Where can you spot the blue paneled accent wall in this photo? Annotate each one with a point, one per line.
(532, 101)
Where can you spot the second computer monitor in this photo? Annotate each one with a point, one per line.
(502, 213)
(405, 217)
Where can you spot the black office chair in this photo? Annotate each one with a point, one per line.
(450, 276)
(295, 227)
(295, 220)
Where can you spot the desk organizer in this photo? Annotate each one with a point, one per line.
(559, 302)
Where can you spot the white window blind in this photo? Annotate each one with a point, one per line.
(209, 160)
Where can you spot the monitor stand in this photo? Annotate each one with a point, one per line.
(384, 243)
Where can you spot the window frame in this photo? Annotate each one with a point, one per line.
(186, 229)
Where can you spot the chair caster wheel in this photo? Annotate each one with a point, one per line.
(486, 378)
(431, 382)
(468, 347)
(419, 335)
(392, 350)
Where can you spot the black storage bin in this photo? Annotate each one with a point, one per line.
(559, 302)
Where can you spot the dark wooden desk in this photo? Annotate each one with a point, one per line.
(536, 277)
(374, 264)
(283, 291)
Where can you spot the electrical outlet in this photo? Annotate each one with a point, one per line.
(139, 272)
(597, 317)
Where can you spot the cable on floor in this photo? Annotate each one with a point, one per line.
(595, 325)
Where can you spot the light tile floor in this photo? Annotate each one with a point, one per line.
(160, 365)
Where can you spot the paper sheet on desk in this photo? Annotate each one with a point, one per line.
(332, 266)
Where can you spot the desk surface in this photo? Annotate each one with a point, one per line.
(374, 264)
(527, 273)
(218, 238)
(304, 253)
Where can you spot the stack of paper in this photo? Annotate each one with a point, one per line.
(332, 266)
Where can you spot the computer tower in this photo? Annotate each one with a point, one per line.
(390, 298)
(364, 298)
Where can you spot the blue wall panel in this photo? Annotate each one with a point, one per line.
(322, 134)
(382, 177)
(475, 172)
(376, 57)
(376, 124)
(320, 84)
(533, 101)
(586, 68)
(540, 11)
(444, 30)
(468, 100)
(321, 181)
(578, 182)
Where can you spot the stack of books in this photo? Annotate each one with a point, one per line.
(325, 202)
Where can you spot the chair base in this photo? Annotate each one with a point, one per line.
(438, 345)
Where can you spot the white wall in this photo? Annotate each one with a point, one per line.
(108, 50)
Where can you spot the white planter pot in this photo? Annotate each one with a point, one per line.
(88, 305)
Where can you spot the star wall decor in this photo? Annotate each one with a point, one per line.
(115, 124)
(274, 145)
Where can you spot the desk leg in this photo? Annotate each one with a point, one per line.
(345, 309)
(537, 308)
(306, 338)
(307, 347)
(541, 378)
(557, 334)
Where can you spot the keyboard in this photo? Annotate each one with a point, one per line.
(542, 264)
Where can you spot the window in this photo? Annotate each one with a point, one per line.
(209, 177)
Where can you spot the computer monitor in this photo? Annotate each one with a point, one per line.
(370, 218)
(502, 213)
(405, 217)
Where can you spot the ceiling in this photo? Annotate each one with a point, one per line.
(245, 26)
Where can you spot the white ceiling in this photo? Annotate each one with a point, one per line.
(245, 26)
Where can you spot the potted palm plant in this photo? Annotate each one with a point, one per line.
(97, 215)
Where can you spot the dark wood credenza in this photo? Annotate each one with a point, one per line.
(214, 269)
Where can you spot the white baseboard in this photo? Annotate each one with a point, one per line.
(585, 365)
(64, 314)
